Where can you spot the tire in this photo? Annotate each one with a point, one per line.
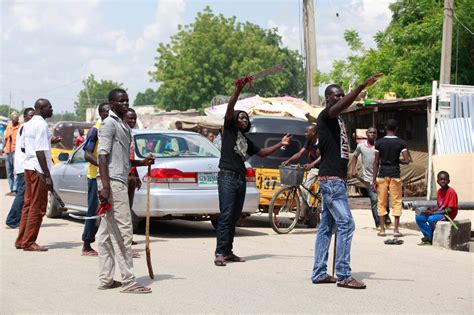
(284, 210)
(313, 218)
(215, 223)
(53, 210)
(136, 222)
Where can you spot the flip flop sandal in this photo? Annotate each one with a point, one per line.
(91, 253)
(393, 241)
(220, 261)
(136, 255)
(425, 243)
(353, 284)
(138, 289)
(398, 234)
(113, 285)
(381, 234)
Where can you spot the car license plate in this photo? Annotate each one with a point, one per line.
(207, 179)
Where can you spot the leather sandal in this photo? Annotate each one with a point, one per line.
(35, 248)
(327, 279)
(233, 258)
(219, 261)
(352, 284)
(136, 289)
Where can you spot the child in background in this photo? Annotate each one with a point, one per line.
(447, 203)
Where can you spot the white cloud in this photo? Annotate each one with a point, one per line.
(290, 35)
(53, 45)
(168, 16)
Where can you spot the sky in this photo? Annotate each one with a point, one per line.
(48, 47)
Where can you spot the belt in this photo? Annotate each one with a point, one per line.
(225, 173)
(331, 178)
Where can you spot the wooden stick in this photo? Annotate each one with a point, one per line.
(147, 228)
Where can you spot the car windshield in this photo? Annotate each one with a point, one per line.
(165, 145)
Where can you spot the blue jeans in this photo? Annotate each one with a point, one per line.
(14, 216)
(231, 201)
(427, 224)
(335, 217)
(90, 226)
(9, 162)
(373, 206)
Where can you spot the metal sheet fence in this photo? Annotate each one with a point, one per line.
(456, 135)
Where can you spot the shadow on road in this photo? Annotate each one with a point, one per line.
(47, 225)
(369, 275)
(145, 280)
(64, 245)
(190, 229)
(265, 256)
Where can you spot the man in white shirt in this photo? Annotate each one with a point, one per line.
(14, 216)
(37, 144)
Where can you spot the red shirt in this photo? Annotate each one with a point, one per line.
(448, 199)
(79, 139)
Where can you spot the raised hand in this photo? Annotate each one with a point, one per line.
(371, 80)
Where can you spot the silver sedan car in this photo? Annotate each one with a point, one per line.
(183, 178)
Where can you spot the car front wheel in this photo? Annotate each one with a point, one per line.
(53, 210)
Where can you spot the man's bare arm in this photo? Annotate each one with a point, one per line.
(375, 170)
(406, 157)
(354, 165)
(104, 177)
(286, 140)
(90, 158)
(347, 100)
(295, 157)
(44, 167)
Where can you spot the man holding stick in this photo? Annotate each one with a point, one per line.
(115, 230)
(335, 215)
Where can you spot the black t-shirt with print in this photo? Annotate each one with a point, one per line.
(231, 158)
(333, 145)
(312, 150)
(389, 149)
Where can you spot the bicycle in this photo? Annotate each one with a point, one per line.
(285, 207)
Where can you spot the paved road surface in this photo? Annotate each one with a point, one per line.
(275, 278)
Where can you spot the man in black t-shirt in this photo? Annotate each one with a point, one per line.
(336, 214)
(311, 147)
(387, 177)
(231, 182)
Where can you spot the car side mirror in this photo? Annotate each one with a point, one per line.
(63, 156)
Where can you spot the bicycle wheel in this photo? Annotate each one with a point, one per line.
(312, 218)
(284, 210)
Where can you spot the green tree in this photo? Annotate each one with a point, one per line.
(408, 51)
(205, 57)
(93, 93)
(5, 110)
(65, 116)
(149, 97)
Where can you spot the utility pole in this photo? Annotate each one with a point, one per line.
(312, 96)
(445, 68)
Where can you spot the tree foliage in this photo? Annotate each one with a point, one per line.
(93, 93)
(5, 110)
(205, 57)
(408, 51)
(149, 97)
